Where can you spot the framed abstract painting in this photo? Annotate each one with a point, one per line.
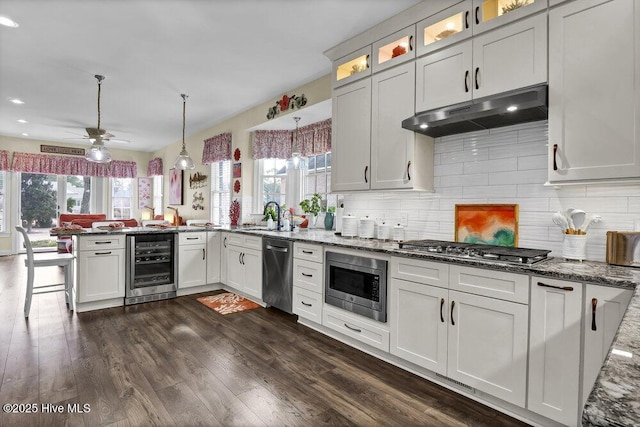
(175, 186)
(487, 224)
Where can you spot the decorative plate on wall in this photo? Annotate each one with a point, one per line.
(236, 154)
(236, 186)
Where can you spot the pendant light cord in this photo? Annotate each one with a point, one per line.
(99, 78)
(184, 116)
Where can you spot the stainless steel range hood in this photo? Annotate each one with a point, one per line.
(509, 108)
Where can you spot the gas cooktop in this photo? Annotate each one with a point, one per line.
(522, 256)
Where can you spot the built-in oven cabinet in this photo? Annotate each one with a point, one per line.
(244, 263)
(192, 259)
(511, 57)
(357, 327)
(446, 318)
(213, 256)
(308, 281)
(100, 269)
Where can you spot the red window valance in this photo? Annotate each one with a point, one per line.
(67, 165)
(216, 149)
(4, 160)
(155, 167)
(281, 144)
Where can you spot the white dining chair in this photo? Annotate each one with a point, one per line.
(47, 260)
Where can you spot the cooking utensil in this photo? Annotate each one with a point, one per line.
(578, 217)
(560, 220)
(567, 215)
(592, 219)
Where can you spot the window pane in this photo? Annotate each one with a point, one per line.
(78, 194)
(220, 192)
(320, 162)
(121, 198)
(311, 163)
(321, 183)
(329, 160)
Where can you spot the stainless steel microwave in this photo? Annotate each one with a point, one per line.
(357, 284)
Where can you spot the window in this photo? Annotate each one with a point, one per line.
(4, 211)
(273, 180)
(121, 194)
(318, 178)
(157, 194)
(220, 191)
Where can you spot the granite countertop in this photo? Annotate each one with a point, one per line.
(615, 399)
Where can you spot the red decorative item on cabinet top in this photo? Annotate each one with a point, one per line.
(236, 154)
(236, 186)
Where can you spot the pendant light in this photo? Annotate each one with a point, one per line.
(295, 156)
(184, 161)
(98, 153)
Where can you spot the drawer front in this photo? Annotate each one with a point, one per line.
(192, 238)
(420, 271)
(308, 275)
(354, 327)
(307, 304)
(309, 252)
(235, 239)
(490, 283)
(252, 242)
(92, 243)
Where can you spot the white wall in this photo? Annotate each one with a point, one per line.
(504, 165)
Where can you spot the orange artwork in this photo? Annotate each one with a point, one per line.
(487, 224)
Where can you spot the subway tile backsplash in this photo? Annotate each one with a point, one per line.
(504, 165)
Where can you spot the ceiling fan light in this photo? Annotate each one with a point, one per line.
(98, 153)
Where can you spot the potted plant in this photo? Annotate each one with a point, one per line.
(312, 207)
(328, 219)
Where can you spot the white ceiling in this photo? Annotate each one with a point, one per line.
(227, 55)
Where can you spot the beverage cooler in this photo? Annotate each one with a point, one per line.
(151, 267)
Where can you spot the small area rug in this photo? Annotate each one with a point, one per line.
(228, 303)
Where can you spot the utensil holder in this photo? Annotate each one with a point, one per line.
(574, 246)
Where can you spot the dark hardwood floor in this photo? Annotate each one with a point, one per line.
(177, 362)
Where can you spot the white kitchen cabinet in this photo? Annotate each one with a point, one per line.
(395, 49)
(604, 308)
(511, 57)
(473, 330)
(419, 320)
(357, 327)
(487, 342)
(224, 256)
(554, 349)
(352, 67)
(308, 281)
(400, 158)
(351, 136)
(192, 259)
(100, 268)
(594, 91)
(490, 14)
(213, 256)
(444, 28)
(244, 264)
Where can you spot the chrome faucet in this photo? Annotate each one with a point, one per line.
(278, 213)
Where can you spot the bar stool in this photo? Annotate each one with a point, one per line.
(47, 260)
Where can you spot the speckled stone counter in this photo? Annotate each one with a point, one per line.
(615, 399)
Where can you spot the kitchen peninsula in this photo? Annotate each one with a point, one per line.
(614, 398)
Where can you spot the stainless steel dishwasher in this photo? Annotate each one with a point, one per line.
(277, 273)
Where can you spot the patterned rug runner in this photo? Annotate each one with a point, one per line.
(228, 303)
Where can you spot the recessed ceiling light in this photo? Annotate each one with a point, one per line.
(424, 126)
(512, 108)
(24, 134)
(16, 101)
(22, 121)
(8, 22)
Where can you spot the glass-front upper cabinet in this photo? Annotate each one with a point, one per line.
(444, 28)
(394, 49)
(488, 14)
(352, 67)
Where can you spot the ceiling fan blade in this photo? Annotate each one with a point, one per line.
(117, 140)
(94, 132)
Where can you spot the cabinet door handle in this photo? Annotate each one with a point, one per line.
(102, 253)
(408, 170)
(240, 257)
(352, 328)
(562, 288)
(477, 15)
(410, 43)
(203, 254)
(224, 242)
(594, 305)
(555, 152)
(307, 252)
(308, 305)
(192, 238)
(104, 242)
(441, 307)
(466, 81)
(453, 322)
(366, 169)
(476, 77)
(367, 61)
(466, 19)
(307, 275)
